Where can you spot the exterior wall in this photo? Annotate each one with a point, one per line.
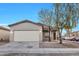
(73, 34)
(4, 34)
(46, 34)
(25, 27)
(52, 36)
(57, 35)
(11, 36)
(76, 34)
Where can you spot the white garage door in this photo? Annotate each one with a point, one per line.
(26, 35)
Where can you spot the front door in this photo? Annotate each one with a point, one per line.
(54, 35)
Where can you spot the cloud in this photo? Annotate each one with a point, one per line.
(3, 24)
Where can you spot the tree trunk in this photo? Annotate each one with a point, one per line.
(60, 38)
(49, 34)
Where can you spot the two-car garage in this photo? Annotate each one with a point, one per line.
(26, 35)
(25, 31)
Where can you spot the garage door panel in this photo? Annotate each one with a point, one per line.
(26, 35)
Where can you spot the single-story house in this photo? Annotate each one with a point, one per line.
(29, 31)
(4, 34)
(75, 33)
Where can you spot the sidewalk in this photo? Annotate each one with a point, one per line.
(41, 51)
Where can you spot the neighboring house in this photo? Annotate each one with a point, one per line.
(4, 34)
(29, 31)
(72, 36)
(75, 33)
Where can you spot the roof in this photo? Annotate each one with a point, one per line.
(24, 22)
(4, 28)
(75, 32)
(42, 24)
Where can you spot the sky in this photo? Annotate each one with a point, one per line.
(11, 13)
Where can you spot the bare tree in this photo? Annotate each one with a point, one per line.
(53, 18)
(45, 17)
(71, 16)
(62, 16)
(58, 13)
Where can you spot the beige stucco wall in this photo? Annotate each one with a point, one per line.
(75, 34)
(4, 34)
(25, 27)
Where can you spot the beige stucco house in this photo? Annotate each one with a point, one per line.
(29, 31)
(75, 34)
(4, 34)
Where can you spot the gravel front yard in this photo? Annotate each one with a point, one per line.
(55, 44)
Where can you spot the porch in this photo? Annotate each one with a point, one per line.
(49, 34)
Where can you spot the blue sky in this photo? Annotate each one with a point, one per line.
(11, 13)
